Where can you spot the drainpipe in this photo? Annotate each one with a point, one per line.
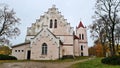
(73, 45)
(59, 52)
(59, 49)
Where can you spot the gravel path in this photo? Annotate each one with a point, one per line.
(40, 64)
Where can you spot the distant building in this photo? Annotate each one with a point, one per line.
(51, 37)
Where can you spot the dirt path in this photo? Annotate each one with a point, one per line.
(40, 64)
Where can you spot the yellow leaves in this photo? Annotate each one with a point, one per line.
(5, 50)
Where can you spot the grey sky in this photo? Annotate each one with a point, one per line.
(30, 10)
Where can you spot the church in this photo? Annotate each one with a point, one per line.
(51, 37)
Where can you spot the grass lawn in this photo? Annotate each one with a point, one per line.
(95, 63)
(61, 60)
(7, 61)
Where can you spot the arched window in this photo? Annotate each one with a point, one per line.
(81, 47)
(82, 36)
(55, 25)
(44, 49)
(51, 23)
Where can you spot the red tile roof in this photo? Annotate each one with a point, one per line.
(76, 37)
(80, 25)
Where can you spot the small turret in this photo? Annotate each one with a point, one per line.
(82, 34)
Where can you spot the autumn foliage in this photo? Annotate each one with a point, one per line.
(5, 50)
(96, 50)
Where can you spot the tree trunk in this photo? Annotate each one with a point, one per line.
(111, 50)
(104, 50)
(113, 45)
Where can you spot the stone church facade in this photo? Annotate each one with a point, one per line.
(51, 37)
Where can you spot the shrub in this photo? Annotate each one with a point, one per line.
(7, 57)
(67, 57)
(114, 60)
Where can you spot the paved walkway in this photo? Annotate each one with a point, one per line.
(40, 64)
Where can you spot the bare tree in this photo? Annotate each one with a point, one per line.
(117, 37)
(8, 23)
(110, 8)
(100, 31)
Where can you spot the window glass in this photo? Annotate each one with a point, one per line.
(44, 49)
(55, 25)
(51, 23)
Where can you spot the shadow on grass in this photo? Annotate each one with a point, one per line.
(60, 60)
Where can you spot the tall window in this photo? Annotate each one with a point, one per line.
(55, 25)
(81, 47)
(44, 49)
(51, 23)
(82, 36)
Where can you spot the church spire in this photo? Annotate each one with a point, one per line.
(80, 25)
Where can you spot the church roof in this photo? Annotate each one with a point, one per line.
(21, 44)
(76, 37)
(80, 25)
(51, 33)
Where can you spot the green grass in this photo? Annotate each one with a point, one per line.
(10, 61)
(61, 60)
(95, 63)
(71, 60)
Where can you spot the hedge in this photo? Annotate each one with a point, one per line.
(67, 57)
(7, 57)
(114, 60)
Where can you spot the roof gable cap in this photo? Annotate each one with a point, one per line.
(80, 25)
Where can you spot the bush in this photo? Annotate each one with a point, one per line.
(115, 60)
(67, 57)
(7, 57)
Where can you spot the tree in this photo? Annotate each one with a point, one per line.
(91, 51)
(117, 37)
(8, 23)
(96, 50)
(107, 12)
(100, 31)
(5, 50)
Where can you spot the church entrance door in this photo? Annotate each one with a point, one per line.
(28, 54)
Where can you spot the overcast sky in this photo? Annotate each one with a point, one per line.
(72, 10)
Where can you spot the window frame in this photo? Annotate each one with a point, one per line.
(82, 36)
(55, 23)
(44, 49)
(16, 51)
(51, 23)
